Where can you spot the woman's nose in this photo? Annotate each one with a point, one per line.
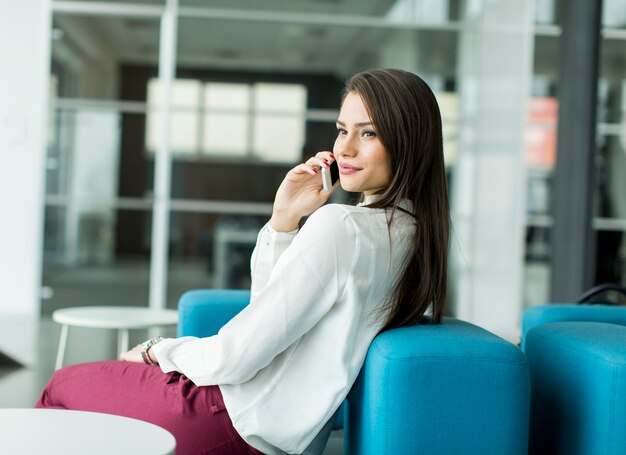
(344, 146)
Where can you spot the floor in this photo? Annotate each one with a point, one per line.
(20, 386)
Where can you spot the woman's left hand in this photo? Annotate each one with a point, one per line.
(134, 355)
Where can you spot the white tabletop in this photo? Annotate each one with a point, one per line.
(53, 431)
(115, 317)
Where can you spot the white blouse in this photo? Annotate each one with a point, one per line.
(287, 361)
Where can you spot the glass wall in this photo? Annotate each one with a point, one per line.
(97, 237)
(251, 93)
(610, 211)
(541, 147)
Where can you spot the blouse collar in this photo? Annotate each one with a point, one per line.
(404, 203)
(369, 199)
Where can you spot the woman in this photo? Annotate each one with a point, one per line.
(273, 378)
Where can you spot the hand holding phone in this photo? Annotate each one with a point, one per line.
(330, 175)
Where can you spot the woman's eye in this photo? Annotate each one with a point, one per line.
(368, 134)
(341, 131)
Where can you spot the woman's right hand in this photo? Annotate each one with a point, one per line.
(301, 193)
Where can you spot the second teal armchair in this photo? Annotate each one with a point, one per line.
(577, 358)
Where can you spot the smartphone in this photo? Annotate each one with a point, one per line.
(330, 175)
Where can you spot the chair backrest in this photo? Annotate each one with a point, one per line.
(452, 388)
(544, 314)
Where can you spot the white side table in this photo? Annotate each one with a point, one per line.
(120, 318)
(55, 432)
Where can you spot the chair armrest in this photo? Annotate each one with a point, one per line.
(578, 376)
(203, 312)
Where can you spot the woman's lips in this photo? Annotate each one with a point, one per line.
(346, 169)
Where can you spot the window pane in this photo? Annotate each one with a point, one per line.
(612, 83)
(89, 259)
(226, 130)
(136, 170)
(227, 96)
(211, 250)
(278, 139)
(84, 154)
(184, 117)
(225, 134)
(279, 98)
(100, 149)
(449, 107)
(224, 181)
(153, 2)
(97, 149)
(94, 56)
(184, 133)
(610, 180)
(610, 158)
(424, 11)
(185, 93)
(96, 253)
(614, 13)
(541, 132)
(545, 11)
(610, 257)
(537, 270)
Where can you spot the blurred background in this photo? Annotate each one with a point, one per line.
(170, 124)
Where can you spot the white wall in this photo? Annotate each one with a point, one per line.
(24, 60)
(489, 189)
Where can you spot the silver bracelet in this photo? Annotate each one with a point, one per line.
(145, 346)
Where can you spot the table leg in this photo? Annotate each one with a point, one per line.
(122, 341)
(62, 344)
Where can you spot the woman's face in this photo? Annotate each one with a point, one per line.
(362, 159)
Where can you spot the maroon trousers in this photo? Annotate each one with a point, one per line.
(196, 416)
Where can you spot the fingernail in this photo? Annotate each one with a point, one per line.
(315, 170)
(332, 156)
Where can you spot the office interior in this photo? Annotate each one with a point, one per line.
(114, 194)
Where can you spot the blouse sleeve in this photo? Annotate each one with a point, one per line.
(306, 281)
(270, 245)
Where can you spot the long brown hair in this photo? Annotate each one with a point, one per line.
(407, 120)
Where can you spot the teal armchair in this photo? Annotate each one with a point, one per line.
(577, 359)
(452, 388)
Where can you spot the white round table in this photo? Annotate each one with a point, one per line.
(120, 318)
(55, 431)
